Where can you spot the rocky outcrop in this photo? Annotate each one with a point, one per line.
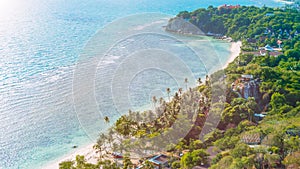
(182, 26)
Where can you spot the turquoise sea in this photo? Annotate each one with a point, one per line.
(41, 43)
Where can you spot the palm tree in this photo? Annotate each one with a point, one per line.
(180, 91)
(126, 129)
(176, 97)
(201, 102)
(206, 80)
(199, 81)
(186, 81)
(271, 159)
(102, 138)
(80, 161)
(114, 147)
(138, 117)
(161, 100)
(151, 115)
(127, 162)
(110, 137)
(251, 106)
(154, 99)
(106, 119)
(98, 149)
(148, 165)
(168, 92)
(130, 114)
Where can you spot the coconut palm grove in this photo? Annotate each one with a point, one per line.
(254, 103)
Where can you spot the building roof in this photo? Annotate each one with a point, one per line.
(259, 115)
(247, 76)
(251, 138)
(199, 167)
(293, 132)
(159, 159)
(279, 42)
(229, 6)
(269, 48)
(269, 14)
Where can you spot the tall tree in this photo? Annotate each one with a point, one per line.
(199, 81)
(66, 165)
(277, 100)
(168, 92)
(180, 91)
(154, 100)
(251, 107)
(207, 80)
(127, 164)
(186, 81)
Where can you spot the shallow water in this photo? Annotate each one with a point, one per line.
(40, 44)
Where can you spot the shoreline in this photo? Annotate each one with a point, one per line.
(235, 50)
(87, 150)
(89, 153)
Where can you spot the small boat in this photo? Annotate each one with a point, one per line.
(74, 146)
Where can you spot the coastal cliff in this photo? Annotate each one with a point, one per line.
(182, 26)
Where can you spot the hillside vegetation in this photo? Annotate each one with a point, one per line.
(278, 99)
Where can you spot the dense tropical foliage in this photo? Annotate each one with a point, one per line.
(278, 99)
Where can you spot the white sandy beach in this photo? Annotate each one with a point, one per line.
(87, 151)
(235, 50)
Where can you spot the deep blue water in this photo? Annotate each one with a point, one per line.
(40, 44)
